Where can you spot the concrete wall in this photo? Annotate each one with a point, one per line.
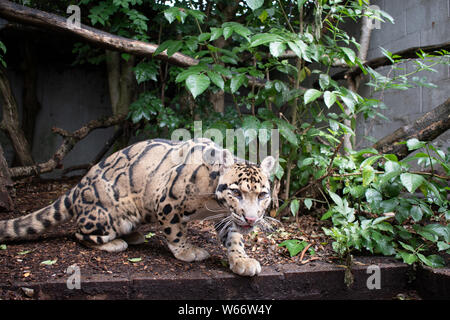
(417, 23)
(70, 97)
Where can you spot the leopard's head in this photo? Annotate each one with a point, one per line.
(244, 189)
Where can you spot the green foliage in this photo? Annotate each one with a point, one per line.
(295, 246)
(2, 53)
(409, 226)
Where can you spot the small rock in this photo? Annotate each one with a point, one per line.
(28, 292)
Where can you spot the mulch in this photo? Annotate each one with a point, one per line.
(49, 255)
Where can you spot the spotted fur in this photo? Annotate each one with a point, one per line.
(161, 181)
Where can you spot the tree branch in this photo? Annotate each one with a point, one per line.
(409, 53)
(29, 16)
(41, 19)
(69, 141)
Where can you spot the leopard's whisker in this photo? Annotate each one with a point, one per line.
(214, 216)
(221, 209)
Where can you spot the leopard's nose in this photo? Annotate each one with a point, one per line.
(250, 220)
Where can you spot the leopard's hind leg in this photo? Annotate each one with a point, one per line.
(104, 243)
(95, 230)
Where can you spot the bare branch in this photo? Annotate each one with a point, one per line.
(69, 141)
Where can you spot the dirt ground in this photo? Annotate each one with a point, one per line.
(49, 255)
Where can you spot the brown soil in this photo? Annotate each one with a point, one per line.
(22, 261)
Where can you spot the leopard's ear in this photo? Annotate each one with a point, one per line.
(267, 165)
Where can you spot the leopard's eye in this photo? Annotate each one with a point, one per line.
(262, 195)
(236, 193)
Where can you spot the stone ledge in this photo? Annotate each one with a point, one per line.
(315, 280)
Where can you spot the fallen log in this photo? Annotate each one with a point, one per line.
(427, 128)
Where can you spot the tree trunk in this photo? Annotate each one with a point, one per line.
(6, 203)
(426, 128)
(10, 122)
(31, 105)
(122, 88)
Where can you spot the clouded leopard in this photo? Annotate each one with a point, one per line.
(164, 181)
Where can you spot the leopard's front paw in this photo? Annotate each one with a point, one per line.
(189, 253)
(245, 266)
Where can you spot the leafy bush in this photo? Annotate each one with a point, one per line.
(380, 210)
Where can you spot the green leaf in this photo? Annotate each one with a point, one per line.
(294, 246)
(407, 246)
(439, 230)
(336, 198)
(49, 262)
(369, 161)
(254, 4)
(24, 252)
(236, 82)
(216, 33)
(287, 131)
(324, 80)
(134, 260)
(197, 84)
(373, 196)
(145, 71)
(174, 47)
(308, 203)
(408, 258)
(149, 235)
(216, 79)
(436, 261)
(327, 214)
(204, 36)
(277, 48)
(163, 46)
(264, 38)
(443, 245)
(329, 98)
(295, 204)
(433, 260)
(416, 213)
(2, 246)
(228, 59)
(349, 53)
(227, 32)
(392, 166)
(411, 181)
(242, 31)
(368, 175)
(311, 95)
(357, 191)
(414, 144)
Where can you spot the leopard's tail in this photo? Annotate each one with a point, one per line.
(38, 221)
